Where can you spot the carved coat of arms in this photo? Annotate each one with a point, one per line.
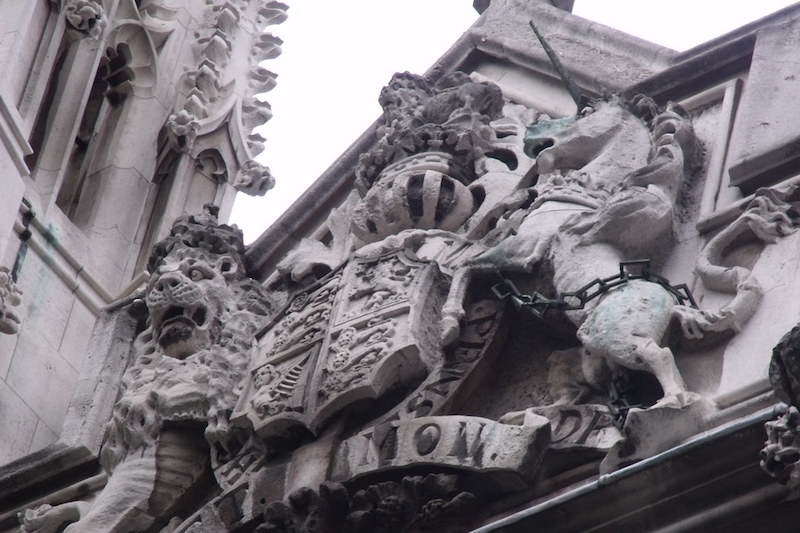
(366, 329)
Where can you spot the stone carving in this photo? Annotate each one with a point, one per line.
(465, 442)
(781, 453)
(10, 296)
(254, 179)
(86, 16)
(359, 332)
(171, 423)
(159, 17)
(452, 117)
(593, 211)
(417, 503)
(210, 88)
(182, 128)
(770, 215)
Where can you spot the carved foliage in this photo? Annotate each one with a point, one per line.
(417, 503)
(781, 453)
(10, 296)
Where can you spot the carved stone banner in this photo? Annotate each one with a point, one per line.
(466, 442)
(356, 334)
(579, 426)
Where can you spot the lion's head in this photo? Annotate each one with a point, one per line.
(187, 298)
(198, 283)
(203, 315)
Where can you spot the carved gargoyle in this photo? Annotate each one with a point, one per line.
(171, 423)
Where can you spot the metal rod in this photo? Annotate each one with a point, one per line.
(572, 87)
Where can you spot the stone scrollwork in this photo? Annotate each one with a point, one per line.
(86, 16)
(171, 423)
(10, 296)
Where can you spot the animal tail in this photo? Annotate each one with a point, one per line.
(769, 216)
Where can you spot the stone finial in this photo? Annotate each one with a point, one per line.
(86, 16)
(254, 179)
(10, 296)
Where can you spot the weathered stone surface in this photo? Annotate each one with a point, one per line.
(473, 444)
(97, 171)
(574, 426)
(19, 421)
(390, 330)
(650, 431)
(86, 16)
(183, 382)
(10, 297)
(764, 137)
(593, 209)
(356, 335)
(414, 505)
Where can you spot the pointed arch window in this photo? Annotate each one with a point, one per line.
(111, 85)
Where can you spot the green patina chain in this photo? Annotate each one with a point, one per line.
(539, 305)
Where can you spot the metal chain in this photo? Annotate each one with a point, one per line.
(539, 305)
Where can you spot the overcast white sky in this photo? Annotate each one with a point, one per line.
(338, 55)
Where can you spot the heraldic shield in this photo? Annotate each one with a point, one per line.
(368, 328)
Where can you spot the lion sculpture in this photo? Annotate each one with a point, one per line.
(181, 387)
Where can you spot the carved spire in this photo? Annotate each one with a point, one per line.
(227, 75)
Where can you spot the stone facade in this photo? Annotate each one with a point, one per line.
(545, 297)
(118, 117)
